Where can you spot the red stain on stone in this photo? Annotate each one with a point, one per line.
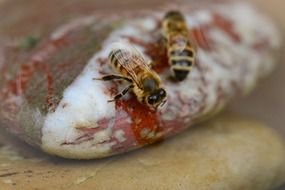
(156, 51)
(113, 90)
(226, 26)
(37, 64)
(144, 120)
(83, 138)
(19, 83)
(135, 119)
(60, 42)
(159, 55)
(200, 37)
(50, 89)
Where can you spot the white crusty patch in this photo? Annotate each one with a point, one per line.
(84, 101)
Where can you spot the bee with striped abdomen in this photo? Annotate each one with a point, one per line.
(133, 68)
(180, 51)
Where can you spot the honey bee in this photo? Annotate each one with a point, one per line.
(180, 51)
(133, 68)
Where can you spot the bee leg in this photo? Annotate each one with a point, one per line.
(121, 94)
(113, 77)
(162, 44)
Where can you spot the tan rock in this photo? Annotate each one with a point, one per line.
(226, 153)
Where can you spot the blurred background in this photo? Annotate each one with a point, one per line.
(267, 102)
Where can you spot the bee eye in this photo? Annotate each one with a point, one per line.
(152, 99)
(162, 93)
(156, 97)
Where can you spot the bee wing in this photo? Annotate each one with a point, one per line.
(139, 59)
(131, 59)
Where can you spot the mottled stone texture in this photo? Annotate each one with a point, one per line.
(40, 74)
(228, 152)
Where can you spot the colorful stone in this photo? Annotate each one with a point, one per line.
(49, 98)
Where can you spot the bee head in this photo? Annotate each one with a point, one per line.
(174, 14)
(157, 98)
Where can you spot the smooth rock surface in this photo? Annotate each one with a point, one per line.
(226, 153)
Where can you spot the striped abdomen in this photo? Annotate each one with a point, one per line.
(179, 49)
(181, 59)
